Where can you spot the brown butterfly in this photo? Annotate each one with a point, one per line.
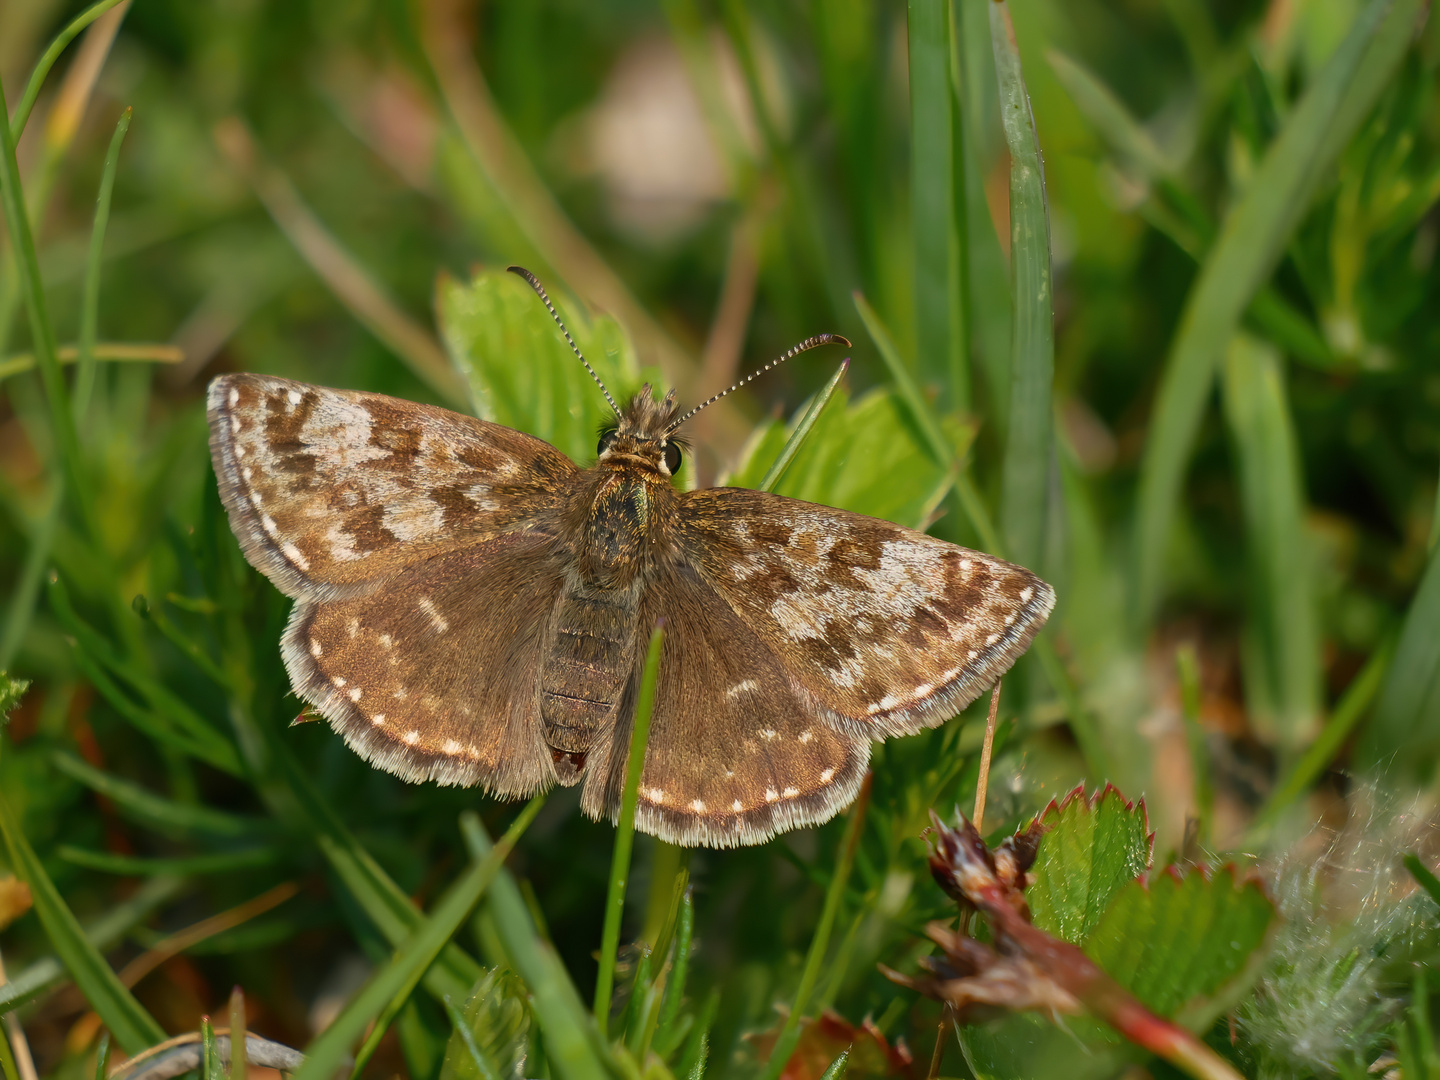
(473, 608)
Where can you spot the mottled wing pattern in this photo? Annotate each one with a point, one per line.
(437, 676)
(736, 755)
(886, 629)
(327, 489)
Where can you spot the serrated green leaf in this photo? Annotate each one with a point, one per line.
(1091, 850)
(862, 456)
(491, 1032)
(521, 371)
(1184, 945)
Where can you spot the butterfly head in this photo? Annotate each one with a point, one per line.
(644, 435)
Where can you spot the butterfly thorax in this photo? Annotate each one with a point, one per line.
(621, 514)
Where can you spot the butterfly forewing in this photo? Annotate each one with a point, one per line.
(887, 630)
(435, 677)
(736, 754)
(331, 488)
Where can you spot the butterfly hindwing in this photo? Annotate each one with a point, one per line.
(436, 676)
(736, 754)
(328, 489)
(888, 630)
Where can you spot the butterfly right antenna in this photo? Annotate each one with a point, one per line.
(540, 291)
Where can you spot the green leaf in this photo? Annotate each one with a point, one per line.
(1285, 706)
(491, 1032)
(521, 371)
(863, 456)
(133, 1027)
(1029, 439)
(1187, 945)
(1252, 239)
(1091, 849)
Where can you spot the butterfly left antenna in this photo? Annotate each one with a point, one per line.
(804, 346)
(540, 291)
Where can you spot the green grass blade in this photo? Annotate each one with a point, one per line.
(1283, 618)
(1026, 470)
(905, 384)
(790, 1031)
(1422, 875)
(212, 1066)
(164, 815)
(133, 1027)
(32, 577)
(90, 303)
(1188, 670)
(388, 989)
(1107, 114)
(103, 934)
(7, 1056)
(1252, 239)
(625, 833)
(837, 1068)
(42, 329)
(679, 973)
(219, 862)
(1402, 736)
(572, 1042)
(1319, 754)
(477, 1056)
(42, 68)
(939, 360)
(802, 429)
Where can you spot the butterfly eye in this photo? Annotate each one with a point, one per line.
(606, 438)
(672, 457)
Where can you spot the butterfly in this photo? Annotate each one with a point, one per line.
(473, 608)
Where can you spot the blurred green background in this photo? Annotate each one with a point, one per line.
(1230, 475)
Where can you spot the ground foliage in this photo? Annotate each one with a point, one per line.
(1226, 463)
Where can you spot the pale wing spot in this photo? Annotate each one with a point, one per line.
(966, 564)
(827, 776)
(889, 701)
(412, 737)
(923, 690)
(767, 733)
(295, 555)
(1010, 619)
(255, 500)
(342, 544)
(1026, 593)
(729, 774)
(790, 792)
(386, 640)
(315, 649)
(241, 450)
(737, 806)
(656, 795)
(400, 693)
(248, 473)
(234, 397)
(338, 680)
(992, 639)
(698, 805)
(355, 693)
(352, 627)
(378, 719)
(741, 688)
(436, 619)
(771, 794)
(949, 675)
(972, 654)
(414, 522)
(293, 396)
(235, 424)
(452, 747)
(805, 736)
